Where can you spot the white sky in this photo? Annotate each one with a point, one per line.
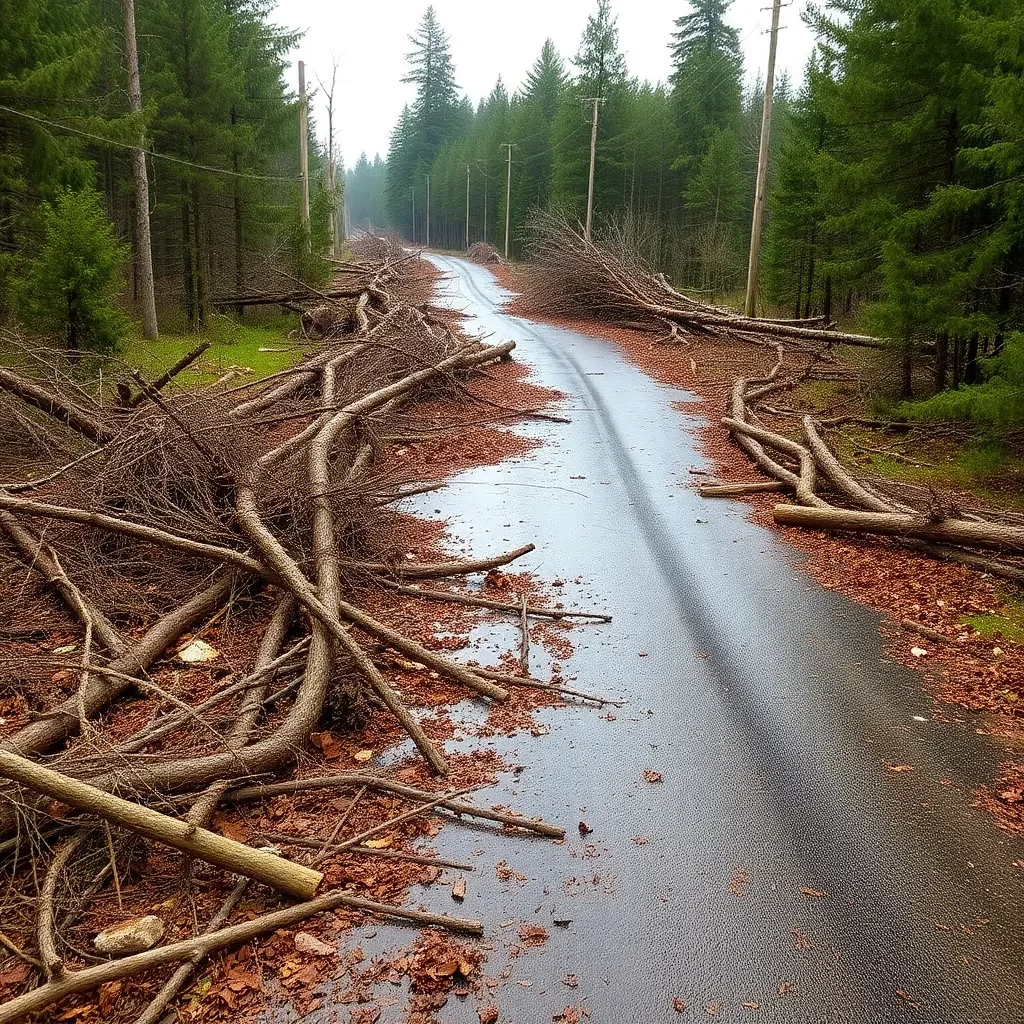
(369, 39)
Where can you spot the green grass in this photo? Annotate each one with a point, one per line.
(1009, 624)
(232, 343)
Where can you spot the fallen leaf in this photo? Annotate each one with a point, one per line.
(814, 893)
(570, 1015)
(585, 829)
(488, 1014)
(784, 987)
(533, 935)
(379, 844)
(899, 767)
(678, 1005)
(306, 943)
(571, 980)
(362, 755)
(907, 999)
(109, 994)
(918, 652)
(652, 776)
(198, 651)
(802, 942)
(751, 1005)
(459, 890)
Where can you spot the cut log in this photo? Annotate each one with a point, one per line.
(277, 872)
(948, 531)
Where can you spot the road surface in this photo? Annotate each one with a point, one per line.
(771, 712)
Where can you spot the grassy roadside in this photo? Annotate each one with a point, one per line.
(262, 347)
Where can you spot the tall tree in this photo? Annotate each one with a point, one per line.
(707, 72)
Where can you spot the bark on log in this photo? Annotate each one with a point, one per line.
(276, 872)
(738, 490)
(948, 531)
(70, 415)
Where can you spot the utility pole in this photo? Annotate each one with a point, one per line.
(428, 211)
(303, 150)
(762, 167)
(143, 243)
(597, 101)
(413, 191)
(467, 207)
(485, 206)
(508, 195)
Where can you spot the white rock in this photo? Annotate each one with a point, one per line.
(127, 937)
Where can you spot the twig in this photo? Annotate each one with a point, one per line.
(76, 982)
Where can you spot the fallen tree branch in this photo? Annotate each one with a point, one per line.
(70, 415)
(77, 982)
(485, 602)
(276, 872)
(351, 780)
(949, 531)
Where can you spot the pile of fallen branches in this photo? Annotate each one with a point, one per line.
(808, 469)
(153, 517)
(483, 252)
(569, 275)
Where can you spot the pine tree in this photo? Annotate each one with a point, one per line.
(707, 71)
(433, 74)
(70, 285)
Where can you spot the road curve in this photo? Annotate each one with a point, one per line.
(771, 712)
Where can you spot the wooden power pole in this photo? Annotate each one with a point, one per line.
(303, 148)
(467, 207)
(749, 307)
(428, 211)
(143, 242)
(597, 101)
(508, 195)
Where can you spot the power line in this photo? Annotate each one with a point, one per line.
(148, 152)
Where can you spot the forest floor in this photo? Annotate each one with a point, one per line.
(980, 665)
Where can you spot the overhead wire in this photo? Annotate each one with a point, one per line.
(148, 152)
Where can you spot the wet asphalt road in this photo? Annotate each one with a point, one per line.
(771, 712)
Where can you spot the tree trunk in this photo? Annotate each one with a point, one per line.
(941, 360)
(280, 874)
(951, 531)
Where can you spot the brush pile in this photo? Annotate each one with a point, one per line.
(573, 277)
(484, 252)
(126, 530)
(570, 275)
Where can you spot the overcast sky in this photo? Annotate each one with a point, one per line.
(369, 39)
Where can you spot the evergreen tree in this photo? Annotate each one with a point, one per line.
(707, 71)
(69, 287)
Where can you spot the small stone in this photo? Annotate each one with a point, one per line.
(133, 936)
